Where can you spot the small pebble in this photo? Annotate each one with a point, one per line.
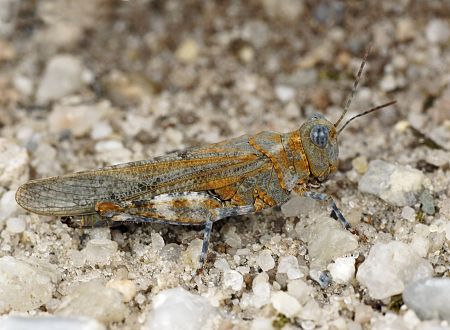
(329, 13)
(437, 157)
(42, 322)
(323, 278)
(429, 298)
(179, 309)
(101, 130)
(289, 265)
(311, 311)
(390, 321)
(24, 85)
(8, 17)
(171, 252)
(298, 206)
(261, 291)
(444, 209)
(157, 241)
(261, 323)
(94, 300)
(420, 243)
(77, 258)
(8, 205)
(261, 278)
(257, 32)
(265, 260)
(285, 304)
(342, 270)
(25, 285)
(108, 146)
(447, 231)
(388, 83)
(100, 251)
(231, 237)
(112, 152)
(397, 185)
(427, 202)
(354, 215)
(13, 164)
(44, 161)
(246, 54)
(126, 287)
(389, 267)
(78, 119)
(437, 31)
(363, 313)
(193, 251)
(411, 319)
(63, 35)
(15, 225)
(222, 264)
(188, 51)
(100, 233)
(402, 126)
(300, 290)
(408, 213)
(140, 299)
(243, 252)
(405, 29)
(326, 240)
(287, 10)
(360, 164)
(233, 279)
(284, 93)
(124, 89)
(63, 76)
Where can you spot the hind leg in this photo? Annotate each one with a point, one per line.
(205, 244)
(187, 208)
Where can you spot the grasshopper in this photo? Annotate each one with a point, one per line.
(200, 185)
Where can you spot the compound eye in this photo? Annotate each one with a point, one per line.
(319, 135)
(316, 116)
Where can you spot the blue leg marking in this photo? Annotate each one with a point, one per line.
(206, 236)
(326, 198)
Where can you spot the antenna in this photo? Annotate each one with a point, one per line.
(365, 113)
(355, 86)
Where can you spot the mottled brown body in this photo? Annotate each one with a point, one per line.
(248, 173)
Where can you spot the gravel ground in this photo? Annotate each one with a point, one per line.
(90, 83)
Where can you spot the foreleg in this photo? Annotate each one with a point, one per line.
(327, 198)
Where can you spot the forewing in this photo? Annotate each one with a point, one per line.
(196, 169)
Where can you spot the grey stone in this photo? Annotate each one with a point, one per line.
(396, 185)
(96, 301)
(8, 16)
(25, 285)
(13, 164)
(429, 298)
(48, 323)
(63, 76)
(179, 309)
(427, 202)
(389, 267)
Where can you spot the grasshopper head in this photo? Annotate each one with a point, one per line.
(319, 139)
(319, 136)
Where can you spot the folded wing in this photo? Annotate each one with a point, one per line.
(197, 169)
